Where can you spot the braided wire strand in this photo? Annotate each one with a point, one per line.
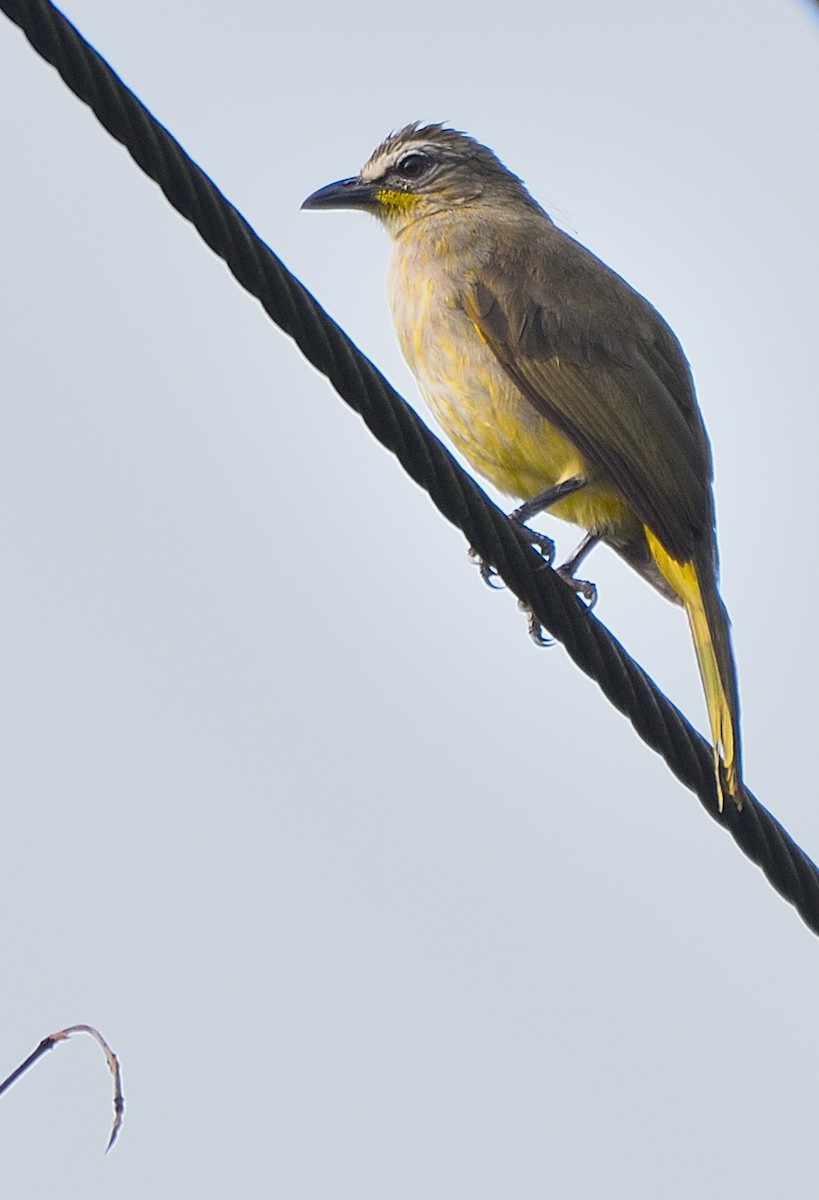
(289, 305)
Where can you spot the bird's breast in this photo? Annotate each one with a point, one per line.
(481, 410)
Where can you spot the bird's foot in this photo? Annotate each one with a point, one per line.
(540, 543)
(583, 588)
(487, 572)
(535, 628)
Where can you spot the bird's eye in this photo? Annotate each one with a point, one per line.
(412, 165)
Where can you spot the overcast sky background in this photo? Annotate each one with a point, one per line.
(373, 898)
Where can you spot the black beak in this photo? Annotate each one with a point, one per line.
(346, 193)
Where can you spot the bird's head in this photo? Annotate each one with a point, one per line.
(422, 170)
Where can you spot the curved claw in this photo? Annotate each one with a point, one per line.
(535, 628)
(544, 545)
(487, 572)
(584, 589)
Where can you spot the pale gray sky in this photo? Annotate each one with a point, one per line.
(373, 898)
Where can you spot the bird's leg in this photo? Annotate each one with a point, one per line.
(544, 545)
(540, 503)
(546, 499)
(582, 586)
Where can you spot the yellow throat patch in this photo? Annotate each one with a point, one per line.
(396, 201)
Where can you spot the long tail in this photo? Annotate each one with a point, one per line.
(695, 583)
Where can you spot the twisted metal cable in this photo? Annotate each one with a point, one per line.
(288, 303)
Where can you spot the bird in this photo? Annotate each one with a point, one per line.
(557, 381)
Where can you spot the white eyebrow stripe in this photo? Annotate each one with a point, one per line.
(380, 162)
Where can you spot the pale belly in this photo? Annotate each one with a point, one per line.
(482, 412)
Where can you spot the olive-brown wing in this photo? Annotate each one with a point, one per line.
(597, 361)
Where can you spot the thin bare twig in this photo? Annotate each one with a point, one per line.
(48, 1043)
